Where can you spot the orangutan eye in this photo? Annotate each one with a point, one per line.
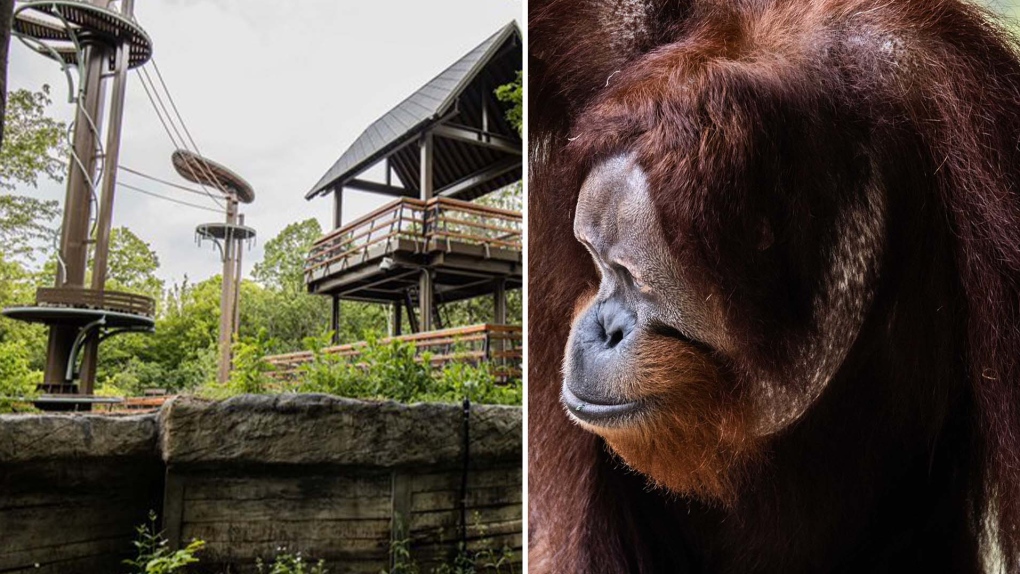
(629, 276)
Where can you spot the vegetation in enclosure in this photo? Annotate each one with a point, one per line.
(487, 561)
(383, 371)
(154, 555)
(287, 563)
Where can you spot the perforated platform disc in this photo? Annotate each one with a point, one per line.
(223, 231)
(51, 28)
(198, 169)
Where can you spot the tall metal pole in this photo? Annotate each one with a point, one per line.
(425, 287)
(235, 327)
(227, 293)
(74, 237)
(109, 185)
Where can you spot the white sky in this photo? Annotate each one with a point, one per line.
(275, 91)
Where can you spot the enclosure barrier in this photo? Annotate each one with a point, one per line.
(497, 345)
(432, 225)
(337, 479)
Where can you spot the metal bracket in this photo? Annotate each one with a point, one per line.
(79, 341)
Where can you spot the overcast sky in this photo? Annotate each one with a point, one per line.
(275, 91)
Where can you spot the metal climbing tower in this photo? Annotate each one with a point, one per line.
(228, 236)
(95, 44)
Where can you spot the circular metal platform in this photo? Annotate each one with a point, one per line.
(198, 169)
(75, 316)
(56, 24)
(225, 231)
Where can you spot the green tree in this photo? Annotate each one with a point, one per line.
(283, 263)
(513, 94)
(26, 226)
(132, 264)
(34, 144)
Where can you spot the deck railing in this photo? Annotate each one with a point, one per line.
(498, 345)
(432, 224)
(92, 299)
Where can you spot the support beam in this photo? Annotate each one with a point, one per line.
(478, 137)
(395, 326)
(499, 302)
(230, 248)
(427, 151)
(75, 229)
(375, 187)
(425, 299)
(338, 207)
(334, 319)
(104, 222)
(481, 177)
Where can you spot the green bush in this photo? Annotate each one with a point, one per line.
(250, 369)
(392, 371)
(17, 379)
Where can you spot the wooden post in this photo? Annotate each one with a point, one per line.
(400, 512)
(395, 326)
(426, 182)
(236, 325)
(229, 247)
(334, 320)
(425, 294)
(338, 207)
(499, 302)
(173, 507)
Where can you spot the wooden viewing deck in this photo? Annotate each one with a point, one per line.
(379, 256)
(498, 344)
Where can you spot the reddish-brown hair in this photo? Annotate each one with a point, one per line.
(912, 456)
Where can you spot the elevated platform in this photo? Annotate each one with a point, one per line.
(55, 28)
(379, 257)
(499, 345)
(85, 313)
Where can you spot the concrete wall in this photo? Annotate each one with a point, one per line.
(334, 478)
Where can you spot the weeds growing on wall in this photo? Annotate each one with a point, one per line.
(154, 555)
(287, 563)
(485, 561)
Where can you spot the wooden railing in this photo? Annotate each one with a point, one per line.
(432, 224)
(498, 345)
(91, 299)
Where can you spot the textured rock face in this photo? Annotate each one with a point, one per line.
(26, 438)
(322, 429)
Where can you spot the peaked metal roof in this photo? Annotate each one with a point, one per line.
(429, 103)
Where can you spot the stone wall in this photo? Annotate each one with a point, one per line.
(333, 478)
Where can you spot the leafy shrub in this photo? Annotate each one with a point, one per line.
(392, 371)
(154, 555)
(17, 379)
(249, 371)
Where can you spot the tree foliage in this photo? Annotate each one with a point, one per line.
(283, 263)
(34, 144)
(132, 264)
(513, 94)
(26, 226)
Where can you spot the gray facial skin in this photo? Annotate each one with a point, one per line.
(641, 290)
